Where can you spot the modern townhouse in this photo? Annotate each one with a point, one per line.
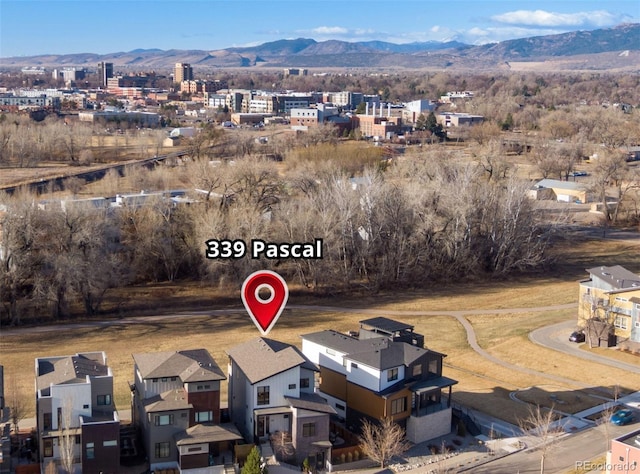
(609, 306)
(176, 405)
(271, 395)
(76, 419)
(382, 371)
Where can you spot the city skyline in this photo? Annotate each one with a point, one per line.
(101, 27)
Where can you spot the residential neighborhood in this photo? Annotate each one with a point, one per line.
(268, 238)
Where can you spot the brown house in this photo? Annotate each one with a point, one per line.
(176, 406)
(383, 372)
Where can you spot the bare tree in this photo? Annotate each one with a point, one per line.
(541, 424)
(604, 422)
(598, 319)
(381, 442)
(67, 436)
(17, 403)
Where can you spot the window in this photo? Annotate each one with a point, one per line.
(398, 406)
(163, 420)
(154, 380)
(194, 450)
(637, 324)
(77, 439)
(162, 450)
(339, 407)
(263, 395)
(354, 365)
(292, 386)
(173, 379)
(308, 429)
(417, 370)
(46, 421)
(164, 379)
(48, 447)
(621, 322)
(392, 374)
(89, 451)
(202, 416)
(110, 442)
(85, 407)
(104, 399)
(621, 299)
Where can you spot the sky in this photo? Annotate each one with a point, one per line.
(33, 27)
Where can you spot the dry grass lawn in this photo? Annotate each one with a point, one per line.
(482, 384)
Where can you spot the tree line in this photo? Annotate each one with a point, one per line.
(410, 223)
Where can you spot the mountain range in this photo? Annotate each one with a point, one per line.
(615, 48)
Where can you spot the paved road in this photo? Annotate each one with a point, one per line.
(556, 337)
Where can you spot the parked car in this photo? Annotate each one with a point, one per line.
(577, 336)
(578, 173)
(622, 417)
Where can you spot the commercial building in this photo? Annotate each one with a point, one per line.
(182, 72)
(105, 72)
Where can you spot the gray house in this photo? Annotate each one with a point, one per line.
(271, 396)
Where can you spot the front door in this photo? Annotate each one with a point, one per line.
(263, 425)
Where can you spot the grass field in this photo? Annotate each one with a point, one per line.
(482, 384)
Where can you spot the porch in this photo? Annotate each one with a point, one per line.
(431, 396)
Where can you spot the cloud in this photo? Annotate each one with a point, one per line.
(497, 34)
(330, 30)
(598, 18)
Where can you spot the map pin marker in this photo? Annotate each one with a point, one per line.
(264, 311)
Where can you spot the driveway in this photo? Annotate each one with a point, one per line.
(556, 337)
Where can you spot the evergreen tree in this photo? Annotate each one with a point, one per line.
(253, 464)
(421, 122)
(434, 127)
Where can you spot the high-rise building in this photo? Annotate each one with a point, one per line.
(182, 72)
(105, 72)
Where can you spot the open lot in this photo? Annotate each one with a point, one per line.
(482, 384)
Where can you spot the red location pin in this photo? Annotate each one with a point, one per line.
(264, 312)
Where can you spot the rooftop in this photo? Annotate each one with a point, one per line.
(261, 358)
(386, 324)
(195, 365)
(617, 276)
(70, 369)
(377, 352)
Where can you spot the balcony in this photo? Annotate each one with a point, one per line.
(429, 408)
